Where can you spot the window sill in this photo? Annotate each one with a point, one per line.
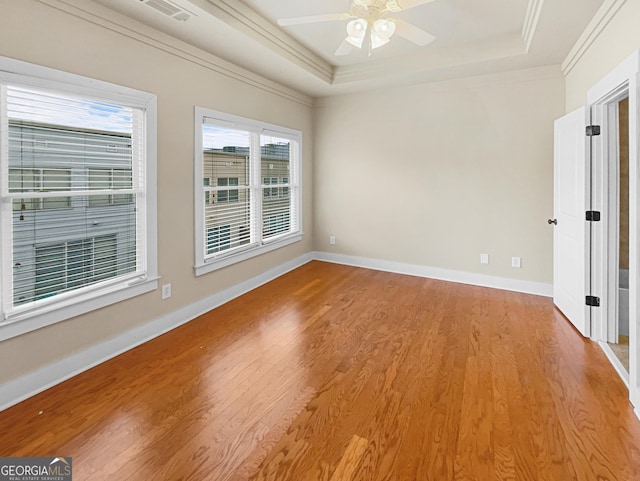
(21, 323)
(216, 264)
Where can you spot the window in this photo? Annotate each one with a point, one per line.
(270, 193)
(110, 180)
(206, 182)
(78, 205)
(39, 180)
(256, 168)
(230, 195)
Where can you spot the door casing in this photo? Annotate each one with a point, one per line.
(602, 98)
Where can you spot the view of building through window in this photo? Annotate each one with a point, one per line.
(231, 215)
(71, 180)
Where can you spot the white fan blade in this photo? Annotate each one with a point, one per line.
(345, 48)
(407, 4)
(330, 17)
(412, 33)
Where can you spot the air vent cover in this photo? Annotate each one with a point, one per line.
(169, 9)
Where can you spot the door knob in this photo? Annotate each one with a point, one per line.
(552, 221)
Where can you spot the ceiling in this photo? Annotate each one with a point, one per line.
(472, 37)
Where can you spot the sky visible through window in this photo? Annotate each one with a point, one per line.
(214, 137)
(61, 109)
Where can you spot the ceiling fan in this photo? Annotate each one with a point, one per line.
(370, 15)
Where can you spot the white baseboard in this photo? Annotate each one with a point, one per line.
(634, 397)
(37, 381)
(528, 287)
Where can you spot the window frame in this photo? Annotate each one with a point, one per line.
(16, 321)
(258, 246)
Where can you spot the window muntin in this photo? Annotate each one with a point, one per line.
(229, 195)
(206, 182)
(247, 188)
(269, 192)
(112, 180)
(39, 180)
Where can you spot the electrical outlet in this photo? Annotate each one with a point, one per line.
(332, 240)
(166, 291)
(484, 258)
(516, 262)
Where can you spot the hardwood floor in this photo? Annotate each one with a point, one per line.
(334, 373)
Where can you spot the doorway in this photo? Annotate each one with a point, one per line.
(619, 339)
(614, 105)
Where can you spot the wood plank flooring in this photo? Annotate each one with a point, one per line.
(334, 373)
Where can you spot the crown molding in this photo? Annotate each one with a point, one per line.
(248, 21)
(599, 22)
(497, 48)
(534, 8)
(103, 17)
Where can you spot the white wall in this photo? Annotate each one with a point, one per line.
(435, 174)
(81, 43)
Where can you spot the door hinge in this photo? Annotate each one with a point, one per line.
(593, 130)
(593, 301)
(593, 216)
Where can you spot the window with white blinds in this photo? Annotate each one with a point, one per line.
(75, 201)
(247, 188)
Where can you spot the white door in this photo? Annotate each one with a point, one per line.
(571, 233)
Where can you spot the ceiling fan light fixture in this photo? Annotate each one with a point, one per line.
(356, 30)
(378, 41)
(381, 32)
(368, 17)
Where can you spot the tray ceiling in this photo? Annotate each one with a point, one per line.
(472, 37)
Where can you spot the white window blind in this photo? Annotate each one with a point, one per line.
(247, 188)
(225, 157)
(76, 183)
(275, 166)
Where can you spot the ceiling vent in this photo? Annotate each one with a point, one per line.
(169, 9)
